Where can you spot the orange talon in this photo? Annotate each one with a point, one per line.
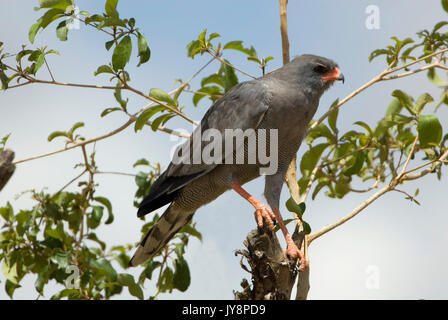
(262, 212)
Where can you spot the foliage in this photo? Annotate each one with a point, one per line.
(337, 159)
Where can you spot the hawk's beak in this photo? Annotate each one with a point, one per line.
(334, 75)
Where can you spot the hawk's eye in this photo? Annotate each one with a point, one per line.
(321, 69)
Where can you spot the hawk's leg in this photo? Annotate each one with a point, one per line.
(261, 210)
(292, 249)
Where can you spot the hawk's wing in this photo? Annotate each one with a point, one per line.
(243, 107)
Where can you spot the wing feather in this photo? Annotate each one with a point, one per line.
(242, 107)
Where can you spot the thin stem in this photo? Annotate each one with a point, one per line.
(115, 173)
(132, 119)
(362, 206)
(216, 56)
(70, 182)
(49, 70)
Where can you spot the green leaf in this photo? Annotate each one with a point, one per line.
(320, 131)
(4, 140)
(95, 218)
(266, 60)
(394, 107)
(311, 157)
(60, 258)
(143, 50)
(181, 279)
(57, 233)
(230, 78)
(378, 53)
(50, 16)
(109, 44)
(122, 53)
(238, 45)
(10, 272)
(191, 231)
(160, 121)
(422, 101)
(201, 37)
(76, 126)
(213, 36)
(104, 69)
(7, 212)
(162, 96)
(109, 110)
(213, 92)
(141, 162)
(365, 126)
(333, 117)
(111, 7)
(10, 287)
(39, 58)
(357, 166)
(429, 131)
(213, 78)
(4, 80)
(445, 5)
(319, 187)
(56, 4)
(34, 29)
(166, 281)
(193, 48)
(293, 206)
(104, 201)
(117, 95)
(435, 79)
(405, 100)
(62, 31)
(57, 134)
(150, 269)
(128, 281)
(286, 222)
(104, 266)
(145, 116)
(306, 227)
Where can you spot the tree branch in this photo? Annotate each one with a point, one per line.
(132, 119)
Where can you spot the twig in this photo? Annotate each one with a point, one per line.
(216, 56)
(411, 153)
(70, 182)
(48, 68)
(79, 144)
(362, 206)
(119, 129)
(115, 173)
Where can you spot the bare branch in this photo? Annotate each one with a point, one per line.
(132, 119)
(362, 206)
(216, 56)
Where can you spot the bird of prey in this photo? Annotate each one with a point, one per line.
(285, 99)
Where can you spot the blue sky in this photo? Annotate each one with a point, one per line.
(404, 241)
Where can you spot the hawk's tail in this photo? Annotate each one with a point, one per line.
(164, 229)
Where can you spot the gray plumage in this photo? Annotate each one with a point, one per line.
(285, 99)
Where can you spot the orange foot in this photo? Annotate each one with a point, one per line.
(294, 252)
(263, 212)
